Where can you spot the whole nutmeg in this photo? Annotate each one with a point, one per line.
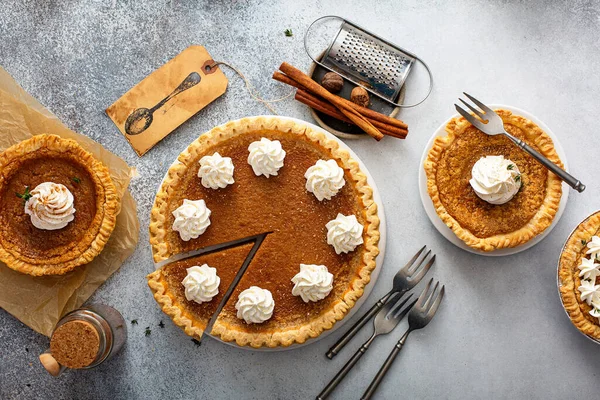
(360, 96)
(332, 82)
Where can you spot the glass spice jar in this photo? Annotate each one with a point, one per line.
(84, 339)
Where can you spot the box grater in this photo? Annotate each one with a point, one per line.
(367, 60)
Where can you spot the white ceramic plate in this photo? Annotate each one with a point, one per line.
(378, 260)
(447, 232)
(558, 285)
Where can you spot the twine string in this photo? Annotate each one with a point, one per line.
(252, 90)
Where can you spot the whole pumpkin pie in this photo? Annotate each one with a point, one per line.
(491, 193)
(579, 276)
(58, 206)
(253, 176)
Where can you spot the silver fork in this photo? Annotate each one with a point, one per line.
(491, 124)
(385, 321)
(404, 280)
(418, 318)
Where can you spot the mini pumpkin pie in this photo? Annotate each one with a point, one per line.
(491, 193)
(264, 175)
(58, 206)
(579, 276)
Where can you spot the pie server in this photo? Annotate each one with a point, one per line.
(257, 239)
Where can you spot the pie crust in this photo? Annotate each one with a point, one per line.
(569, 280)
(99, 216)
(165, 245)
(523, 231)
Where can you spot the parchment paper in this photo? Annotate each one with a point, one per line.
(39, 302)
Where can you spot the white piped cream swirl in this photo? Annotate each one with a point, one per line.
(495, 179)
(216, 172)
(191, 219)
(324, 179)
(201, 283)
(593, 247)
(255, 305)
(50, 206)
(344, 233)
(312, 283)
(266, 157)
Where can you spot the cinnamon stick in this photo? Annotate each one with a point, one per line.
(317, 89)
(367, 112)
(326, 108)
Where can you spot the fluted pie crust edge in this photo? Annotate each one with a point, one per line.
(101, 227)
(161, 250)
(536, 225)
(568, 275)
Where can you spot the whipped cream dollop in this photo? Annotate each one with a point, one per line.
(201, 283)
(266, 157)
(191, 219)
(255, 305)
(589, 269)
(312, 283)
(324, 179)
(344, 233)
(594, 247)
(216, 172)
(495, 179)
(590, 292)
(50, 206)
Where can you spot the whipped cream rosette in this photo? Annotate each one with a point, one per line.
(50, 206)
(324, 179)
(312, 283)
(201, 283)
(255, 305)
(216, 171)
(192, 219)
(344, 233)
(266, 157)
(495, 179)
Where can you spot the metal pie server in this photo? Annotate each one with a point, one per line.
(257, 239)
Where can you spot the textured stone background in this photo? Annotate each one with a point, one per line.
(501, 332)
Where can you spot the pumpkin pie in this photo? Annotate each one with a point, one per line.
(313, 264)
(58, 206)
(579, 276)
(520, 202)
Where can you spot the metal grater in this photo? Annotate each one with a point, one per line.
(368, 61)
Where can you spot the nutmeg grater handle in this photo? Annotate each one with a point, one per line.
(561, 173)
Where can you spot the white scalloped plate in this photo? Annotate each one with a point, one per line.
(447, 232)
(378, 260)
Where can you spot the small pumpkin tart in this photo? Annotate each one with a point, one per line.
(58, 206)
(579, 276)
(492, 194)
(288, 180)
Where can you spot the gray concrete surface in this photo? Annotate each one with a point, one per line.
(501, 332)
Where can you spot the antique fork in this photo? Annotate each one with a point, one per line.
(385, 321)
(418, 318)
(404, 280)
(491, 124)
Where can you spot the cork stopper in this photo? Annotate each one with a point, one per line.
(75, 344)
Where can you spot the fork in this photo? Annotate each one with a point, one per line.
(404, 280)
(385, 321)
(491, 124)
(418, 318)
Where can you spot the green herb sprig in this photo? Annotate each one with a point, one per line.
(25, 195)
(161, 324)
(288, 32)
(148, 331)
(76, 179)
(134, 322)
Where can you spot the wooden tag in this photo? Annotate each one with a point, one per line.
(167, 98)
